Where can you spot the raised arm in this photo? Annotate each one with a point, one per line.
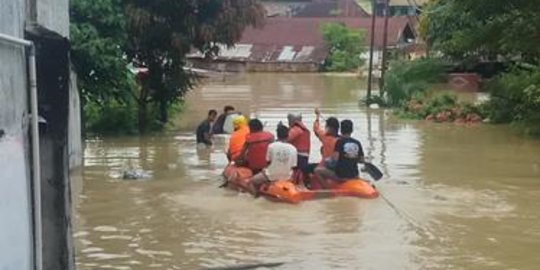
(317, 125)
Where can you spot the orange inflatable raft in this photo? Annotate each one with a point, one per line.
(238, 178)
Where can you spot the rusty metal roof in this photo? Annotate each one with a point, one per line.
(300, 39)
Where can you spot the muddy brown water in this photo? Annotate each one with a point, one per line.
(455, 197)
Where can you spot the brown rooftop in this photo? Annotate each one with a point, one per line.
(306, 31)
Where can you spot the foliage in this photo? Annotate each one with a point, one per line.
(346, 46)
(441, 108)
(98, 40)
(110, 117)
(483, 28)
(107, 35)
(114, 118)
(406, 80)
(488, 29)
(162, 32)
(516, 98)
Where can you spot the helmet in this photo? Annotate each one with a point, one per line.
(239, 121)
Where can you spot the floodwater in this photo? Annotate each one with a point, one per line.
(454, 197)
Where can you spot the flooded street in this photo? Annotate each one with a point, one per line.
(454, 197)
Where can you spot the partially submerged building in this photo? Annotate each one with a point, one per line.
(297, 45)
(40, 137)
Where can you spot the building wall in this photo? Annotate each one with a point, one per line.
(75, 146)
(282, 67)
(54, 15)
(15, 221)
(237, 66)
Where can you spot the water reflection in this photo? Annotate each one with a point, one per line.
(462, 195)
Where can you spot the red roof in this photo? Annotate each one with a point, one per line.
(306, 31)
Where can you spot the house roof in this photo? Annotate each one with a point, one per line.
(339, 8)
(306, 31)
(300, 39)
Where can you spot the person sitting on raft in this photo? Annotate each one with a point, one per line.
(300, 138)
(203, 133)
(328, 138)
(218, 125)
(281, 158)
(238, 139)
(256, 146)
(347, 154)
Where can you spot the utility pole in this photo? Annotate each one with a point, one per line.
(385, 44)
(372, 44)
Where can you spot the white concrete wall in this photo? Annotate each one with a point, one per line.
(74, 125)
(54, 15)
(15, 215)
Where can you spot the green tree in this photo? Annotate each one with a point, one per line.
(346, 46)
(109, 35)
(486, 30)
(480, 29)
(162, 32)
(98, 40)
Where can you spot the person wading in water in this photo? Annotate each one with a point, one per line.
(203, 133)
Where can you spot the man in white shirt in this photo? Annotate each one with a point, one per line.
(281, 157)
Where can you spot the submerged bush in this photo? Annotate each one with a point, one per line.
(515, 98)
(113, 117)
(406, 80)
(441, 108)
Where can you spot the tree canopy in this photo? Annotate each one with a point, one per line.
(346, 46)
(156, 35)
(483, 28)
(162, 32)
(98, 47)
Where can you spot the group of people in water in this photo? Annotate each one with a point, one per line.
(286, 157)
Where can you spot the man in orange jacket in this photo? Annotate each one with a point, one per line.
(238, 138)
(256, 146)
(300, 138)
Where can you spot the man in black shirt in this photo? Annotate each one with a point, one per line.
(204, 135)
(348, 153)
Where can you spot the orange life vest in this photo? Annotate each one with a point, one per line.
(299, 137)
(328, 141)
(257, 147)
(237, 141)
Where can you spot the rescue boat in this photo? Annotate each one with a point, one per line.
(239, 178)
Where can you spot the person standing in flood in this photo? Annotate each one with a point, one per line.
(203, 133)
(300, 138)
(218, 125)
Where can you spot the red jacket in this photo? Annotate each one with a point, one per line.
(257, 146)
(299, 137)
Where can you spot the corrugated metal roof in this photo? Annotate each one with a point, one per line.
(305, 53)
(237, 51)
(287, 54)
(307, 31)
(300, 39)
